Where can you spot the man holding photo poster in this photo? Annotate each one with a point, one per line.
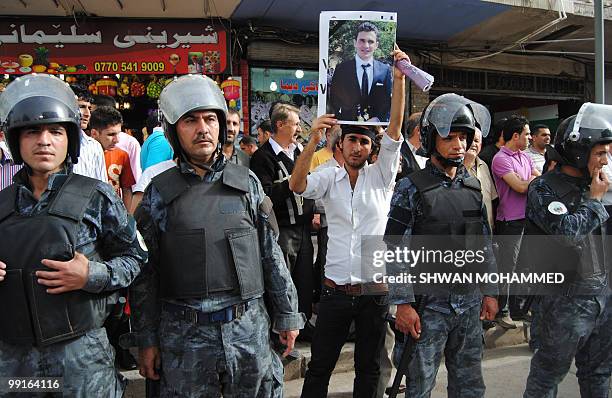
(360, 89)
(356, 198)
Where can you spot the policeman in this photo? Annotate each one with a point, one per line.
(565, 203)
(68, 245)
(198, 305)
(443, 199)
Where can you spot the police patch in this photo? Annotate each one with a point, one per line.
(557, 208)
(141, 241)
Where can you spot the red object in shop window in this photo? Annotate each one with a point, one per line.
(231, 89)
(107, 87)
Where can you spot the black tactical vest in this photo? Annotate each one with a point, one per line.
(210, 244)
(576, 262)
(451, 221)
(29, 314)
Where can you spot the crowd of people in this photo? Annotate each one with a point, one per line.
(200, 242)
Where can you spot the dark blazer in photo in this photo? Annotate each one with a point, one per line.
(345, 95)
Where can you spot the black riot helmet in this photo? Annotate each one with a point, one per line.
(187, 94)
(578, 134)
(39, 99)
(452, 112)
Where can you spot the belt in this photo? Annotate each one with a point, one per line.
(206, 318)
(357, 290)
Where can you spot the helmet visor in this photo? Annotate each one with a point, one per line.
(594, 118)
(441, 112)
(36, 86)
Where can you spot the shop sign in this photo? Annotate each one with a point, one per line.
(298, 86)
(103, 46)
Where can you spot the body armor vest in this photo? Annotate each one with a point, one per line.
(29, 314)
(210, 244)
(576, 262)
(451, 223)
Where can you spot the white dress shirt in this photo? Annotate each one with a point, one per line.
(277, 148)
(369, 70)
(91, 159)
(150, 172)
(352, 214)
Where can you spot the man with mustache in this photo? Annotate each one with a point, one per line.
(440, 208)
(199, 313)
(68, 246)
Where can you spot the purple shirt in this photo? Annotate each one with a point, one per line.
(511, 203)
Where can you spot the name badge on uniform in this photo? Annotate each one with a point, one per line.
(557, 208)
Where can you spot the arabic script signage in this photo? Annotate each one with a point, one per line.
(298, 86)
(100, 46)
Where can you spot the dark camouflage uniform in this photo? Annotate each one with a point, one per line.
(571, 326)
(87, 363)
(231, 359)
(449, 325)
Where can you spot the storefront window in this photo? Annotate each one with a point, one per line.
(297, 86)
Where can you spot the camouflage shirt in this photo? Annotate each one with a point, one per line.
(587, 216)
(145, 299)
(406, 210)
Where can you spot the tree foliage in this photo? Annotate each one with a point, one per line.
(342, 34)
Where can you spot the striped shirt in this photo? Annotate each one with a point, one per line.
(91, 159)
(7, 167)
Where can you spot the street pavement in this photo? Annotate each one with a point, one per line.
(505, 372)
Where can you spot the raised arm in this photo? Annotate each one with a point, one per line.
(398, 99)
(297, 183)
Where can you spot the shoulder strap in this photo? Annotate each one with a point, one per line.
(424, 180)
(236, 176)
(170, 184)
(8, 196)
(472, 182)
(73, 197)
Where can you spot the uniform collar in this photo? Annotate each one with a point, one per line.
(461, 171)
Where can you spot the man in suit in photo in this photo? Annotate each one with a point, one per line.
(360, 89)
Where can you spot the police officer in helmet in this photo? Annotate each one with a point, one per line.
(565, 204)
(439, 206)
(68, 246)
(199, 314)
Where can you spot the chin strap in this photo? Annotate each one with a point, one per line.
(448, 162)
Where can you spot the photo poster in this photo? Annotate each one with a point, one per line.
(351, 43)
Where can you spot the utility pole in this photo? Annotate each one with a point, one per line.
(599, 52)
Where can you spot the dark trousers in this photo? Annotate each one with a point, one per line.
(336, 312)
(509, 235)
(319, 266)
(297, 249)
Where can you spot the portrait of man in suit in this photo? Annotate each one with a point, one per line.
(360, 88)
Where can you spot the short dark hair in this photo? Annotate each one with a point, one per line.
(514, 124)
(265, 125)
(411, 123)
(152, 122)
(104, 100)
(81, 92)
(234, 111)
(535, 128)
(248, 140)
(367, 27)
(103, 117)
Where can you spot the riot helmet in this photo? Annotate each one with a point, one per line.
(187, 94)
(39, 99)
(452, 112)
(578, 134)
